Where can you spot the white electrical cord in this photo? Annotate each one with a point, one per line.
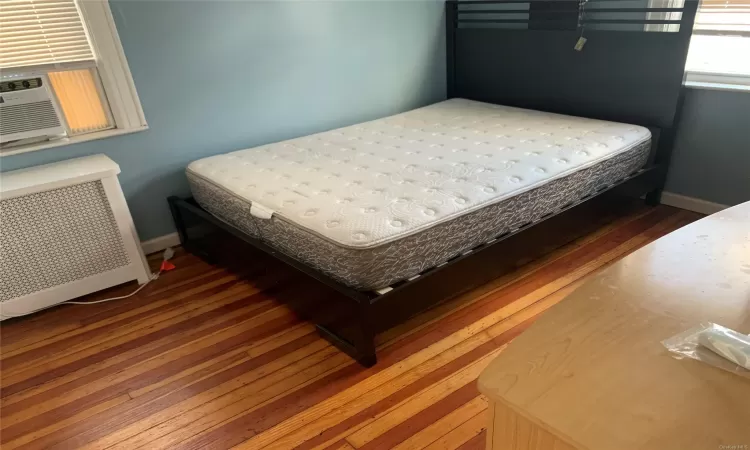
(153, 277)
(168, 253)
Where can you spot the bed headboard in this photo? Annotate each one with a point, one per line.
(521, 53)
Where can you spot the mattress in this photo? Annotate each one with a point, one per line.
(382, 201)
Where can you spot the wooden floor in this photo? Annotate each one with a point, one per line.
(202, 359)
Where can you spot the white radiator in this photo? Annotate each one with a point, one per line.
(65, 231)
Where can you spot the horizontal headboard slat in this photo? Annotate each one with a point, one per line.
(625, 76)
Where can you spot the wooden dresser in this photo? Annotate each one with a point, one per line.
(592, 374)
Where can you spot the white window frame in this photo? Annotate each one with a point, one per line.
(717, 80)
(116, 80)
(697, 79)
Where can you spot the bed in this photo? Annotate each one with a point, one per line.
(376, 203)
(536, 141)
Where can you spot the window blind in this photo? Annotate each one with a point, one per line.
(80, 100)
(34, 32)
(723, 17)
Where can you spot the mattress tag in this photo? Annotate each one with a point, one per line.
(580, 43)
(261, 212)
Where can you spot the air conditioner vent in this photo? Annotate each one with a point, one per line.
(28, 117)
(28, 111)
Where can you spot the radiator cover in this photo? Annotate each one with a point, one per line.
(65, 231)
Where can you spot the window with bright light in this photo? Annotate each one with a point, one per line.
(63, 75)
(720, 46)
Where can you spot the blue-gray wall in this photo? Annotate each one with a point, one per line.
(215, 76)
(711, 159)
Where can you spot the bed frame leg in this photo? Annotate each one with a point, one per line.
(362, 352)
(185, 241)
(653, 198)
(366, 345)
(179, 223)
(363, 348)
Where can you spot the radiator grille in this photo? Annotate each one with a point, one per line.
(28, 117)
(55, 237)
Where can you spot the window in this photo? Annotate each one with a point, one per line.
(720, 46)
(72, 48)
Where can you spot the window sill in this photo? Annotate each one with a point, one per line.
(717, 86)
(69, 141)
(717, 82)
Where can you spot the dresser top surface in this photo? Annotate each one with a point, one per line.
(593, 370)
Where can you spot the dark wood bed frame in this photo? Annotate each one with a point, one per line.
(625, 74)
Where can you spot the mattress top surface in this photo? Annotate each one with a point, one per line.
(368, 184)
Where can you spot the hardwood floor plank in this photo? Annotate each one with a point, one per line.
(385, 402)
(141, 357)
(179, 430)
(234, 301)
(82, 336)
(138, 348)
(110, 362)
(207, 358)
(252, 350)
(478, 442)
(166, 429)
(341, 445)
(140, 317)
(12, 343)
(397, 426)
(92, 351)
(462, 434)
(422, 437)
(178, 402)
(305, 425)
(43, 429)
(288, 404)
(33, 417)
(152, 300)
(93, 389)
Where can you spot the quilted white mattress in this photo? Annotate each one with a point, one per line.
(380, 181)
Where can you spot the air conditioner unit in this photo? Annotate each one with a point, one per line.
(65, 231)
(27, 110)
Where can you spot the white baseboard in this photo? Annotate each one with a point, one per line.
(691, 203)
(158, 244)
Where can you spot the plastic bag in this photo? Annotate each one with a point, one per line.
(715, 345)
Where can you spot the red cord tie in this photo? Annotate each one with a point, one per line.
(166, 266)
